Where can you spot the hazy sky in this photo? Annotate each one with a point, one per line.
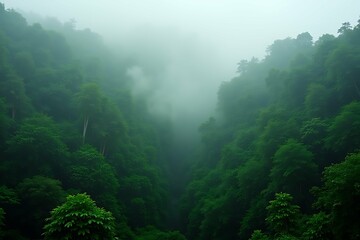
(237, 29)
(186, 48)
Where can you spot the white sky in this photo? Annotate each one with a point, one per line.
(238, 29)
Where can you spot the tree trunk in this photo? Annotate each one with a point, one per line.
(103, 149)
(86, 122)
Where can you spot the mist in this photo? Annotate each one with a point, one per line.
(184, 49)
(158, 119)
(181, 51)
(178, 73)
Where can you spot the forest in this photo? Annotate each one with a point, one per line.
(82, 157)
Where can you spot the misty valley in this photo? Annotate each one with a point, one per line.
(96, 144)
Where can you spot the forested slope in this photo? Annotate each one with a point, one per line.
(288, 129)
(70, 125)
(280, 160)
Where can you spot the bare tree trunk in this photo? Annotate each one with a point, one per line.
(86, 122)
(103, 149)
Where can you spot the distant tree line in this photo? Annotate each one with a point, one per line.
(82, 158)
(281, 160)
(69, 126)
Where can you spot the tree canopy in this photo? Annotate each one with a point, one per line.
(279, 159)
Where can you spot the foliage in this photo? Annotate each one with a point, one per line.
(313, 135)
(77, 218)
(285, 237)
(40, 194)
(13, 90)
(40, 191)
(69, 122)
(36, 148)
(59, 89)
(282, 215)
(317, 227)
(91, 173)
(258, 235)
(293, 171)
(151, 233)
(301, 104)
(340, 196)
(8, 196)
(343, 132)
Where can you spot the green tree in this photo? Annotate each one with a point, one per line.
(4, 129)
(89, 99)
(344, 132)
(8, 196)
(9, 201)
(281, 52)
(313, 134)
(254, 217)
(318, 101)
(285, 237)
(340, 197)
(304, 40)
(40, 194)
(343, 71)
(317, 227)
(140, 196)
(13, 90)
(282, 214)
(24, 65)
(79, 218)
(212, 139)
(346, 27)
(109, 130)
(275, 128)
(36, 148)
(89, 172)
(293, 171)
(152, 233)
(258, 235)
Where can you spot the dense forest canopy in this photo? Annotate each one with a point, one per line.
(83, 156)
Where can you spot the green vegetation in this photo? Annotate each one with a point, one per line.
(79, 218)
(70, 125)
(281, 155)
(81, 157)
